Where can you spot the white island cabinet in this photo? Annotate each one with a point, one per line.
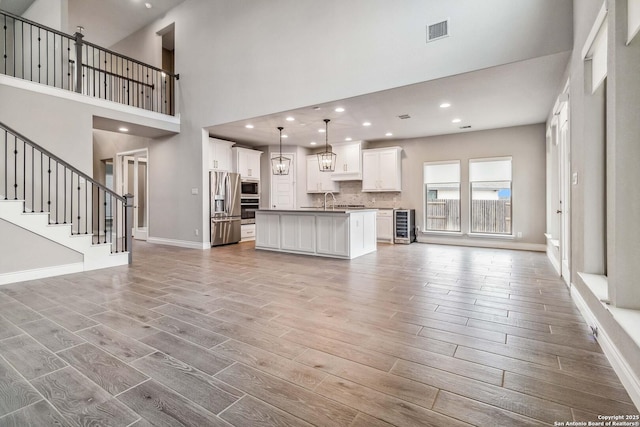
(340, 233)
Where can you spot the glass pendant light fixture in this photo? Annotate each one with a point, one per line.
(326, 159)
(280, 165)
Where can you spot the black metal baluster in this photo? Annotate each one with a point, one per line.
(64, 188)
(24, 176)
(49, 199)
(15, 167)
(39, 54)
(6, 168)
(105, 216)
(57, 198)
(46, 56)
(30, 52)
(71, 204)
(5, 44)
(79, 206)
(98, 217)
(41, 184)
(33, 187)
(115, 214)
(92, 212)
(22, 41)
(86, 208)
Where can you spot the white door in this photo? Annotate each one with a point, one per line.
(565, 194)
(283, 187)
(133, 168)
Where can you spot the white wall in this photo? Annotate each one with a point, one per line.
(50, 13)
(242, 58)
(29, 251)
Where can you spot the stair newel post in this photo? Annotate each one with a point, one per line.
(128, 222)
(78, 43)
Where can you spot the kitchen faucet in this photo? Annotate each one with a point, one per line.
(325, 200)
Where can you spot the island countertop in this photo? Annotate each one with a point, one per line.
(338, 233)
(319, 210)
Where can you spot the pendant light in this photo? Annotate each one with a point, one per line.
(327, 159)
(280, 165)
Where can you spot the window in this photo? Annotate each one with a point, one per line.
(490, 181)
(442, 196)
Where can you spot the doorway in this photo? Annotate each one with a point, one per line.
(283, 190)
(132, 177)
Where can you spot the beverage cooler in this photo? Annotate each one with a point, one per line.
(404, 226)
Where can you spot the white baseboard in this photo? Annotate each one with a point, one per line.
(40, 273)
(629, 379)
(178, 243)
(494, 244)
(554, 262)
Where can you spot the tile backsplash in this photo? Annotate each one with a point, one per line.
(351, 194)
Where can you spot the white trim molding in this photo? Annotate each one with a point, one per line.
(178, 243)
(40, 273)
(478, 243)
(629, 379)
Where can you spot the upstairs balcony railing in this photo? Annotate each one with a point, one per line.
(44, 55)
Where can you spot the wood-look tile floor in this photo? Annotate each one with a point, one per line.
(412, 335)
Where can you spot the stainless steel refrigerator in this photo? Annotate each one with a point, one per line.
(224, 198)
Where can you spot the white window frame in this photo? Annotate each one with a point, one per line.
(424, 197)
(470, 225)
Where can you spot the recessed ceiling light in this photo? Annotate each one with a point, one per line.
(321, 130)
(290, 119)
(312, 143)
(148, 5)
(456, 120)
(285, 136)
(388, 134)
(249, 126)
(348, 138)
(316, 108)
(123, 129)
(366, 124)
(339, 110)
(445, 105)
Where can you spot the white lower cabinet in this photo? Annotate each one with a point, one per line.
(384, 225)
(342, 234)
(247, 232)
(298, 233)
(333, 235)
(268, 231)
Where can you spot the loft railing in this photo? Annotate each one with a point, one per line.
(46, 183)
(48, 56)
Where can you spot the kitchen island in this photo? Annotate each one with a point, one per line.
(336, 233)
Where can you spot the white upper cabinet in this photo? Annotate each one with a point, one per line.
(348, 161)
(382, 169)
(246, 162)
(319, 182)
(220, 155)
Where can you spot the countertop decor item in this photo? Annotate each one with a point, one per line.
(327, 159)
(280, 165)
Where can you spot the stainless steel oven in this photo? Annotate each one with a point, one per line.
(248, 207)
(250, 189)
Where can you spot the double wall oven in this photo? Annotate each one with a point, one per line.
(249, 201)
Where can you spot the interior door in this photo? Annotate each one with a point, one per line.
(135, 180)
(565, 194)
(283, 192)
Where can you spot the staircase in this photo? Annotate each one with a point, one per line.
(52, 199)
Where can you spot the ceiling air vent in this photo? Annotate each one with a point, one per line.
(437, 31)
(404, 116)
